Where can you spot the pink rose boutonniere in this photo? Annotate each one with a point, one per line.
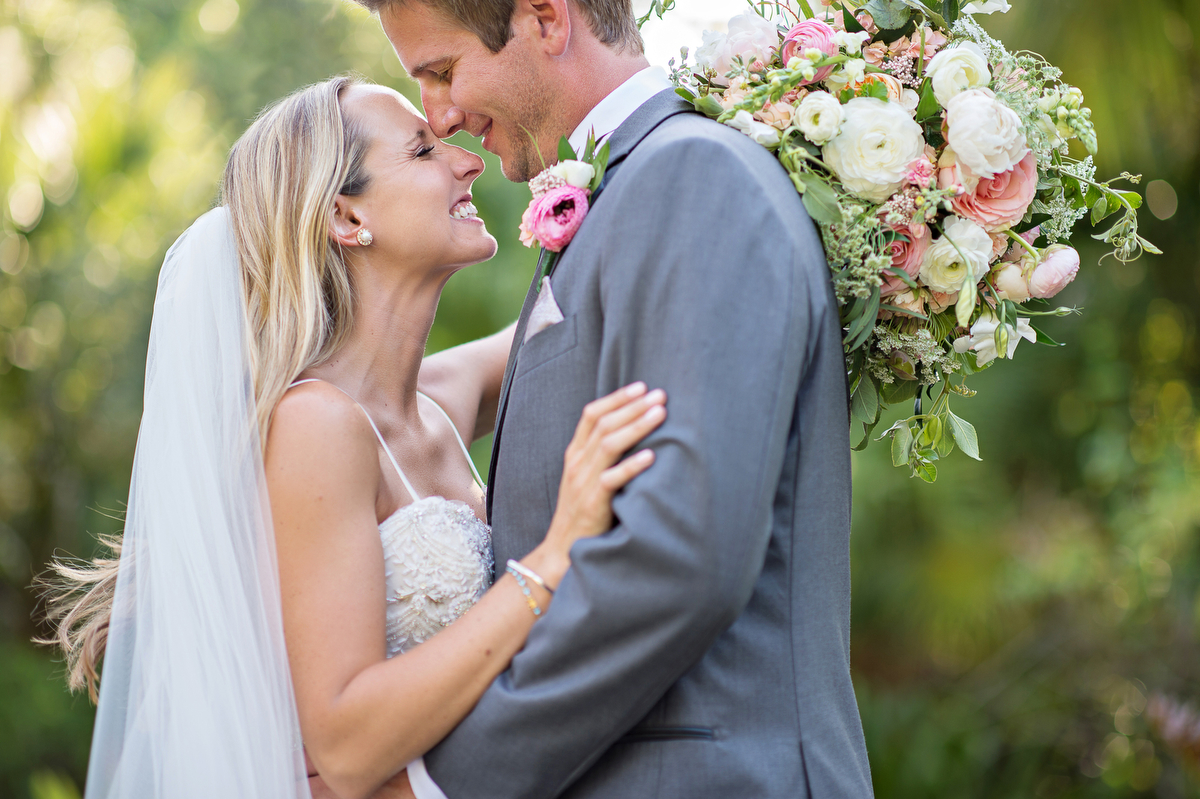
(560, 199)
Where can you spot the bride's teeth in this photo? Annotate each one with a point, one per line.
(464, 210)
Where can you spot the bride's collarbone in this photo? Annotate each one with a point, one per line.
(434, 464)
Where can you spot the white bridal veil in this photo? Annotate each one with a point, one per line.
(196, 697)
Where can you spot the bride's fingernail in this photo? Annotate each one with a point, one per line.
(635, 389)
(646, 455)
(657, 395)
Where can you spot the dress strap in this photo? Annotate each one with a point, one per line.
(457, 437)
(387, 450)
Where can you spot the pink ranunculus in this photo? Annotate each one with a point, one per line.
(807, 34)
(906, 255)
(1057, 268)
(997, 203)
(920, 173)
(554, 217)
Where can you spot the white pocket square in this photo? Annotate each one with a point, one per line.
(545, 312)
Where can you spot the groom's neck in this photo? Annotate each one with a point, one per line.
(595, 71)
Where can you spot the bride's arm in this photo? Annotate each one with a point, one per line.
(365, 717)
(465, 380)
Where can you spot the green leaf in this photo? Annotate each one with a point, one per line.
(902, 442)
(929, 106)
(1092, 195)
(964, 435)
(1133, 198)
(600, 164)
(931, 433)
(866, 439)
(850, 23)
(860, 328)
(565, 153)
(1042, 338)
(930, 9)
(820, 201)
(900, 391)
(589, 149)
(876, 90)
(945, 447)
(708, 106)
(864, 406)
(925, 470)
(888, 14)
(950, 10)
(686, 94)
(1099, 210)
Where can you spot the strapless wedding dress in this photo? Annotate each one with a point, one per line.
(437, 556)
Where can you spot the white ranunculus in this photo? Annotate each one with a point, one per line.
(1010, 281)
(964, 249)
(575, 173)
(987, 7)
(984, 133)
(750, 36)
(852, 43)
(957, 69)
(983, 338)
(818, 116)
(877, 142)
(760, 132)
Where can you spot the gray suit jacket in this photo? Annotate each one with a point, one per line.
(701, 648)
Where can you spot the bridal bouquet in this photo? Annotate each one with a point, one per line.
(939, 169)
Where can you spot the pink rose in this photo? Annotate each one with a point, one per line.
(553, 218)
(934, 41)
(939, 302)
(997, 203)
(807, 34)
(1057, 268)
(874, 53)
(906, 255)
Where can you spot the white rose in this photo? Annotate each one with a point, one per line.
(964, 249)
(984, 133)
(750, 36)
(983, 338)
(957, 69)
(760, 132)
(871, 153)
(852, 43)
(819, 116)
(987, 7)
(575, 173)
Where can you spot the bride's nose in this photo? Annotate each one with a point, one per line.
(467, 165)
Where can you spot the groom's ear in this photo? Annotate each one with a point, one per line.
(346, 222)
(546, 22)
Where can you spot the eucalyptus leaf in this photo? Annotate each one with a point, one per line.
(889, 14)
(820, 201)
(964, 435)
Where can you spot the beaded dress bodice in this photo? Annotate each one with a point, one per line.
(437, 558)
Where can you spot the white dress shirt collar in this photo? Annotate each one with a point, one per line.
(617, 107)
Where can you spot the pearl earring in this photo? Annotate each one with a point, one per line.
(364, 237)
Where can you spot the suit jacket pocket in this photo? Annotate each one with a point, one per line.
(656, 733)
(545, 346)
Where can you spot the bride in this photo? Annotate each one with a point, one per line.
(303, 513)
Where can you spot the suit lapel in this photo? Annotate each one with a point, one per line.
(632, 131)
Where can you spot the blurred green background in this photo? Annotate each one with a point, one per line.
(1012, 623)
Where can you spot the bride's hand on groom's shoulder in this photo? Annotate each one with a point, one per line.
(593, 468)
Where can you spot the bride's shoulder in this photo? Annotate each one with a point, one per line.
(317, 422)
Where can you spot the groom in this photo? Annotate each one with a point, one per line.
(701, 648)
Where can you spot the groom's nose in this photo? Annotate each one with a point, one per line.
(445, 117)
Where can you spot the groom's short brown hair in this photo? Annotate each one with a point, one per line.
(611, 21)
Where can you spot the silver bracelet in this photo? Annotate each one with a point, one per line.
(517, 566)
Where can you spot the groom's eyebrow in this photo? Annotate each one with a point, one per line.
(426, 66)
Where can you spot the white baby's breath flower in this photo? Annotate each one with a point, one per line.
(986, 7)
(760, 132)
(877, 142)
(852, 43)
(819, 116)
(965, 249)
(750, 36)
(575, 173)
(984, 133)
(983, 338)
(957, 69)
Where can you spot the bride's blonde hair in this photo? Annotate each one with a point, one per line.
(280, 183)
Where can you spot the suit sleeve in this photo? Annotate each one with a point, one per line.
(704, 293)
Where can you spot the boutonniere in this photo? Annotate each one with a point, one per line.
(560, 198)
